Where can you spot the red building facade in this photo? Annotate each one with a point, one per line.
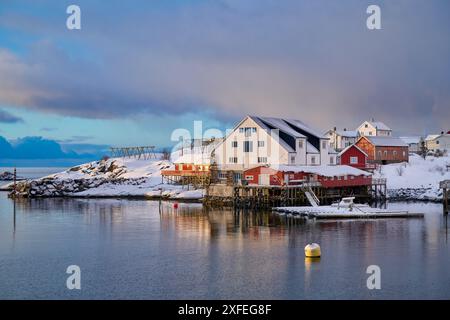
(384, 150)
(268, 176)
(353, 156)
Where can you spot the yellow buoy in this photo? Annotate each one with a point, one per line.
(312, 250)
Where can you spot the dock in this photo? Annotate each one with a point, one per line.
(328, 212)
(311, 193)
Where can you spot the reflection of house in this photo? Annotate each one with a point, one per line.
(384, 149)
(340, 139)
(326, 176)
(353, 156)
(374, 129)
(438, 142)
(257, 141)
(413, 143)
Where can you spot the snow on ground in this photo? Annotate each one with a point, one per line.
(116, 177)
(419, 179)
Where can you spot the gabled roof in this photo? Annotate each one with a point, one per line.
(385, 141)
(351, 146)
(347, 133)
(377, 124)
(289, 130)
(432, 137)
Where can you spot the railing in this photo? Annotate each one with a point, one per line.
(381, 181)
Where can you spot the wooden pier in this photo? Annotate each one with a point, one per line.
(263, 197)
(445, 186)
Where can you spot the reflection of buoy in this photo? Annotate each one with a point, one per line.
(312, 250)
(175, 205)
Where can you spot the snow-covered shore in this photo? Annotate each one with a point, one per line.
(417, 180)
(109, 178)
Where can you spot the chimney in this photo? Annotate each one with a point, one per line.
(442, 132)
(373, 119)
(345, 129)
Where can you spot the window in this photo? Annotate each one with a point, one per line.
(248, 178)
(233, 160)
(353, 160)
(260, 144)
(262, 159)
(331, 160)
(313, 160)
(241, 130)
(404, 153)
(292, 159)
(394, 153)
(222, 175)
(370, 133)
(248, 146)
(248, 132)
(379, 154)
(437, 141)
(366, 125)
(324, 144)
(254, 130)
(385, 153)
(234, 144)
(300, 144)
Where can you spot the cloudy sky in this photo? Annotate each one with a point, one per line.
(139, 69)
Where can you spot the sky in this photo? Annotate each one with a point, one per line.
(137, 70)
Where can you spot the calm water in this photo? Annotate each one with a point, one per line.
(139, 249)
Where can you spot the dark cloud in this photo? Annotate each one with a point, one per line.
(6, 117)
(313, 60)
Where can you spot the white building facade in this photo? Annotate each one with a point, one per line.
(439, 142)
(341, 139)
(375, 129)
(257, 141)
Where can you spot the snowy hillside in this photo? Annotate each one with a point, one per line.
(418, 179)
(113, 177)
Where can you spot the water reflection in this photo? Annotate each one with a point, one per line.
(154, 250)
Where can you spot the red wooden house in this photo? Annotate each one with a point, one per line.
(353, 156)
(384, 150)
(327, 176)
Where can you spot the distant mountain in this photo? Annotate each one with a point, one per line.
(41, 148)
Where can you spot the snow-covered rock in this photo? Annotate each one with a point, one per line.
(109, 178)
(417, 180)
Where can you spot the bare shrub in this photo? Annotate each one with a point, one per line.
(400, 170)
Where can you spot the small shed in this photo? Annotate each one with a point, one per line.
(353, 156)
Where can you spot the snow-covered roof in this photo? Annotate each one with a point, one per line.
(277, 123)
(386, 141)
(289, 130)
(379, 125)
(194, 158)
(311, 149)
(432, 137)
(353, 145)
(347, 133)
(411, 140)
(326, 171)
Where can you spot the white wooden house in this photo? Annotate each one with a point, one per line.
(257, 141)
(374, 128)
(341, 139)
(438, 142)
